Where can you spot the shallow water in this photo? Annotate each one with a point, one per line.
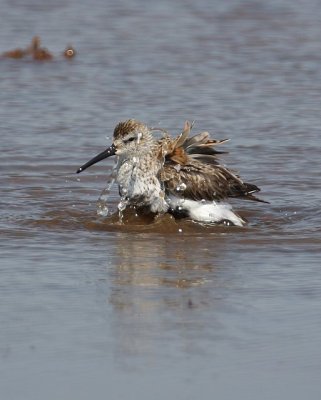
(90, 307)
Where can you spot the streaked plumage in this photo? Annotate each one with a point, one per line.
(180, 175)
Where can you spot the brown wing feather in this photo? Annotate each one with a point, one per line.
(197, 146)
(192, 170)
(200, 181)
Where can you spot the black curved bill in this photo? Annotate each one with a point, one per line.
(110, 151)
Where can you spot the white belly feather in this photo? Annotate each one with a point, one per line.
(206, 211)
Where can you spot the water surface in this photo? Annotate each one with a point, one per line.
(90, 308)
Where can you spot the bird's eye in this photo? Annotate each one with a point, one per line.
(129, 140)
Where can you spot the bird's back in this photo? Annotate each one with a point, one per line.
(192, 170)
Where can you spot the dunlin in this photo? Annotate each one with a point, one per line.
(181, 176)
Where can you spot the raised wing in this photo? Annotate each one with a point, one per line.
(192, 170)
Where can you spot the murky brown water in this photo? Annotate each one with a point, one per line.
(90, 308)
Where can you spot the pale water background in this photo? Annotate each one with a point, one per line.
(93, 310)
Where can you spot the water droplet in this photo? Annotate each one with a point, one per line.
(181, 187)
(139, 136)
(122, 205)
(102, 210)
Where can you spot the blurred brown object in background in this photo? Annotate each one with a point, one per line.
(39, 53)
(69, 52)
(36, 52)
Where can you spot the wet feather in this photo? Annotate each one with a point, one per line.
(200, 172)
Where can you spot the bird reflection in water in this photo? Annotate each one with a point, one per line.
(161, 286)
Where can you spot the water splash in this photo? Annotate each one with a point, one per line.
(102, 207)
(121, 207)
(102, 202)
